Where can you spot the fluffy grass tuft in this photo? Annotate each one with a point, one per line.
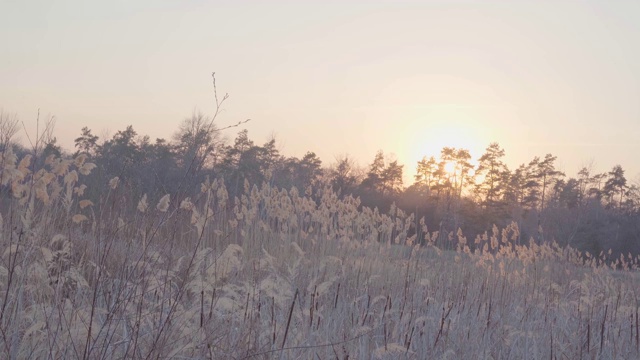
(274, 273)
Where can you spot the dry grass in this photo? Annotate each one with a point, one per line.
(274, 274)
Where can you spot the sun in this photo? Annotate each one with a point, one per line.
(441, 134)
(450, 167)
(446, 126)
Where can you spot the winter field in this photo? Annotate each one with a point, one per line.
(279, 275)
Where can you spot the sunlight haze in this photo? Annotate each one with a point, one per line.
(408, 78)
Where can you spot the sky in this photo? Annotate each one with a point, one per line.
(339, 77)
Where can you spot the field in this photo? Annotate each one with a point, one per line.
(276, 274)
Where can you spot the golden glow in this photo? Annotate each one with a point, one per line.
(456, 134)
(450, 167)
(443, 126)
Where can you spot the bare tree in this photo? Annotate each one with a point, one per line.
(8, 127)
(196, 142)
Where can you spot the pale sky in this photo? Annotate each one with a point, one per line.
(339, 77)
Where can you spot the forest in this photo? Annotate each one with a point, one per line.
(589, 211)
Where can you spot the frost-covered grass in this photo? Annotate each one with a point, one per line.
(274, 274)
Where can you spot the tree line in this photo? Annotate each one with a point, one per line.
(590, 211)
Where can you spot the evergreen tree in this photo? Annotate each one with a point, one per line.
(374, 180)
(615, 186)
(391, 179)
(425, 172)
(86, 143)
(491, 167)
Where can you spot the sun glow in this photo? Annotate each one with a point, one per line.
(445, 126)
(450, 167)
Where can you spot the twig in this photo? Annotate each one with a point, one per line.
(286, 331)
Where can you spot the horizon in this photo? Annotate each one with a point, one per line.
(340, 79)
